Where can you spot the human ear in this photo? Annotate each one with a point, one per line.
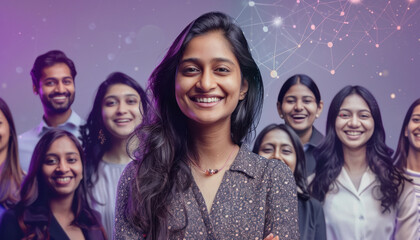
(406, 132)
(319, 109)
(244, 90)
(35, 90)
(279, 110)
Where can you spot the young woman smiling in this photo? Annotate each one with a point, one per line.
(116, 112)
(53, 201)
(407, 155)
(193, 177)
(299, 104)
(364, 196)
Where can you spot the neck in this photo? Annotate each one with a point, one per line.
(413, 160)
(305, 135)
(117, 153)
(355, 160)
(61, 206)
(54, 119)
(212, 144)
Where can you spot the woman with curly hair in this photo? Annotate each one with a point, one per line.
(364, 196)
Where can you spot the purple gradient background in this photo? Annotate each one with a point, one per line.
(132, 37)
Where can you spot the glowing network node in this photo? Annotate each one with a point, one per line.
(355, 1)
(4, 85)
(342, 13)
(265, 29)
(398, 28)
(251, 3)
(380, 74)
(330, 44)
(294, 26)
(136, 69)
(273, 74)
(278, 21)
(377, 45)
(392, 96)
(332, 72)
(313, 26)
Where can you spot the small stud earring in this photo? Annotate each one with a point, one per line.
(281, 115)
(317, 116)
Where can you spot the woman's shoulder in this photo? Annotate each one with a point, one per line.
(129, 171)
(9, 225)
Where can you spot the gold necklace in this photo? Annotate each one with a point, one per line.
(211, 172)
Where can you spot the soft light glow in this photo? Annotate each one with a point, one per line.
(278, 21)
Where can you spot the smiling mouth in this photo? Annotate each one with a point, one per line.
(206, 100)
(62, 180)
(353, 133)
(122, 120)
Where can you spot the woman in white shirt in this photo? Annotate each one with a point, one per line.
(407, 156)
(364, 196)
(116, 112)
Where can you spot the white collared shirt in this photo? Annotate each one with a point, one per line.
(28, 140)
(352, 213)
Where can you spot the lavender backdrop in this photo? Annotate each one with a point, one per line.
(337, 42)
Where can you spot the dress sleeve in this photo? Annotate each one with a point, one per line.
(282, 208)
(123, 228)
(407, 219)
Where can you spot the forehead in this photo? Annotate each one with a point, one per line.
(416, 110)
(120, 89)
(355, 102)
(277, 137)
(63, 145)
(56, 69)
(299, 90)
(209, 46)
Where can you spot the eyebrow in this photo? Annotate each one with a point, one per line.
(415, 115)
(126, 95)
(196, 60)
(53, 78)
(56, 155)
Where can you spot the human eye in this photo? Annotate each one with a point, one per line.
(50, 161)
(49, 83)
(67, 81)
(267, 149)
(415, 119)
(190, 70)
(110, 102)
(72, 159)
(287, 151)
(290, 100)
(222, 70)
(344, 115)
(364, 115)
(307, 100)
(131, 101)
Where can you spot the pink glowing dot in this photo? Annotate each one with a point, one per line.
(342, 13)
(313, 27)
(297, 1)
(332, 72)
(330, 44)
(392, 96)
(298, 45)
(377, 45)
(355, 1)
(398, 28)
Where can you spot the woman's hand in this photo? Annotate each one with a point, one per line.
(271, 237)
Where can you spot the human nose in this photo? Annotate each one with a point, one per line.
(276, 155)
(122, 108)
(206, 81)
(354, 122)
(62, 167)
(60, 87)
(298, 106)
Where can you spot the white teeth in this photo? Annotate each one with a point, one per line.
(122, 120)
(63, 179)
(60, 97)
(353, 133)
(208, 100)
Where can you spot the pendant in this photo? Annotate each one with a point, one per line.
(211, 172)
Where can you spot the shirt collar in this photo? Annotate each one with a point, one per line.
(316, 138)
(72, 123)
(244, 164)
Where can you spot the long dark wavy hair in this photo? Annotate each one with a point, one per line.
(11, 175)
(300, 170)
(94, 150)
(330, 160)
(162, 157)
(35, 193)
(400, 156)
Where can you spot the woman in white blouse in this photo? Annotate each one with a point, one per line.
(116, 112)
(364, 196)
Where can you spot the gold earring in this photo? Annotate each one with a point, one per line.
(101, 137)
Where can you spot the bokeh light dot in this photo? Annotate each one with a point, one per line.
(330, 44)
(265, 29)
(392, 95)
(251, 3)
(273, 73)
(313, 26)
(332, 72)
